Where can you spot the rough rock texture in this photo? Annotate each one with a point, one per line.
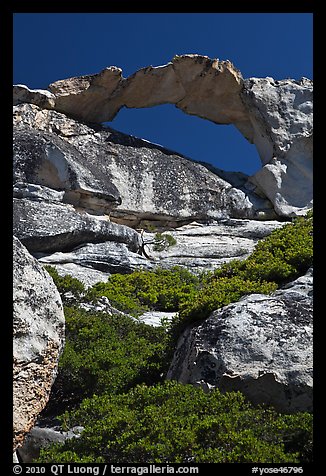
(260, 345)
(281, 113)
(274, 115)
(22, 94)
(191, 82)
(38, 331)
(44, 159)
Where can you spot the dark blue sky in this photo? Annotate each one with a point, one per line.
(48, 47)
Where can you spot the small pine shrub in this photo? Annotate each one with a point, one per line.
(163, 241)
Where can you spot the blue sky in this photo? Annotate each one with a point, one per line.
(53, 46)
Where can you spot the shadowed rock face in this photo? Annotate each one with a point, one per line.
(260, 345)
(38, 331)
(276, 116)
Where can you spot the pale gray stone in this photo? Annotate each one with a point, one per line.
(156, 318)
(45, 159)
(37, 192)
(43, 435)
(202, 247)
(108, 257)
(282, 116)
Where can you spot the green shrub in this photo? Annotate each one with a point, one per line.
(162, 290)
(282, 256)
(105, 353)
(216, 294)
(175, 423)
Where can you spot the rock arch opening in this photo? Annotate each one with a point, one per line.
(223, 147)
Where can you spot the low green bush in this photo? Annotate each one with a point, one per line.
(107, 353)
(175, 423)
(282, 256)
(216, 294)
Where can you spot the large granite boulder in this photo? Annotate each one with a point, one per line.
(276, 116)
(260, 345)
(38, 333)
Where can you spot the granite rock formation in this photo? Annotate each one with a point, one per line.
(38, 331)
(51, 226)
(198, 247)
(260, 345)
(276, 116)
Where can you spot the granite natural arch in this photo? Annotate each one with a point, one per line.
(276, 116)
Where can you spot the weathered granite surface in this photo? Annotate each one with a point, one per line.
(260, 345)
